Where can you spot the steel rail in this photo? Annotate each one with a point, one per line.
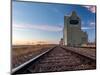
(79, 54)
(31, 60)
(24, 68)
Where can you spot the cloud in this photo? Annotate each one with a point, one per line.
(92, 24)
(87, 28)
(91, 8)
(53, 28)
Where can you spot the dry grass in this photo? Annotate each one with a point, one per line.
(23, 53)
(20, 50)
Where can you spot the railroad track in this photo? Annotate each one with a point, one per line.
(54, 60)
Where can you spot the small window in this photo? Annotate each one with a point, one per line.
(74, 22)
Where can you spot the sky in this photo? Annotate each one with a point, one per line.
(34, 23)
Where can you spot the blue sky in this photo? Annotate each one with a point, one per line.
(40, 22)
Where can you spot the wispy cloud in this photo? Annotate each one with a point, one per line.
(92, 24)
(87, 28)
(53, 28)
(91, 8)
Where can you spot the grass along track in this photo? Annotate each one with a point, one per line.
(58, 59)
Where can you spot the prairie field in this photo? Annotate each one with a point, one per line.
(22, 53)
